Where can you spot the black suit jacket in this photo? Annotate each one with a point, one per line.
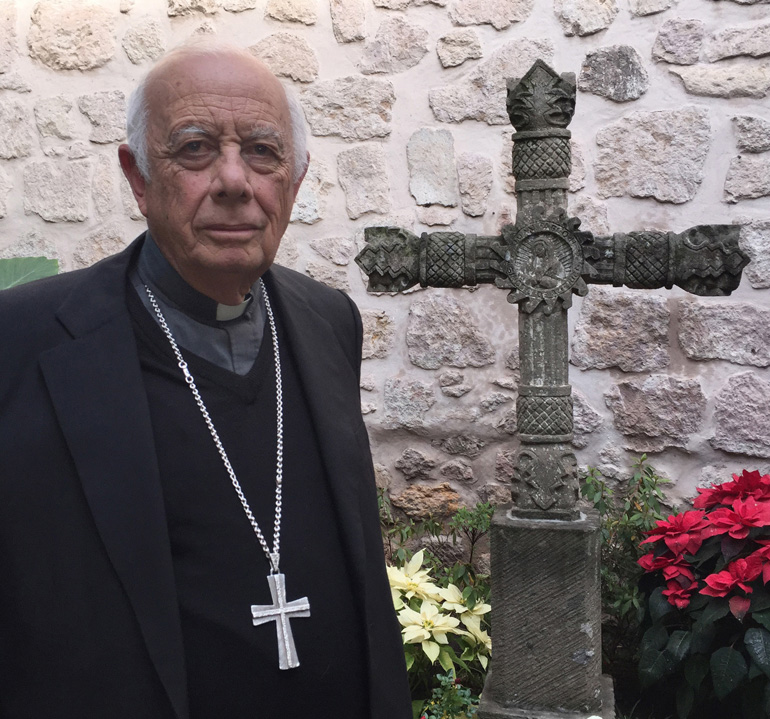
(89, 621)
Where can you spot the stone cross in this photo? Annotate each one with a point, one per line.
(545, 552)
(280, 612)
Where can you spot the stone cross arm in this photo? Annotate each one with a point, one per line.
(703, 260)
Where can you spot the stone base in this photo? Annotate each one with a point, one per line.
(546, 616)
(489, 709)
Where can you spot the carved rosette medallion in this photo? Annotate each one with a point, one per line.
(545, 482)
(545, 266)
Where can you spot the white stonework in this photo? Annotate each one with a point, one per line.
(751, 39)
(309, 205)
(363, 175)
(474, 174)
(616, 72)
(101, 243)
(16, 133)
(755, 241)
(328, 274)
(747, 178)
(497, 13)
(300, 11)
(679, 41)
(585, 17)
(106, 111)
(103, 186)
(654, 154)
(288, 55)
(379, 330)
(648, 7)
(742, 416)
(432, 173)
(348, 20)
(8, 39)
(72, 34)
(752, 134)
(192, 7)
(355, 108)
(591, 213)
(397, 46)
(54, 117)
(144, 41)
(58, 191)
(338, 250)
(457, 46)
(742, 78)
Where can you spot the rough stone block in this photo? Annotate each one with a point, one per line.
(430, 156)
(8, 51)
(586, 419)
(5, 187)
(497, 13)
(457, 46)
(72, 34)
(103, 185)
(303, 11)
(106, 111)
(144, 41)
(54, 118)
(58, 191)
(434, 215)
(640, 8)
(192, 7)
(742, 416)
(585, 17)
(413, 464)
(735, 332)
(238, 5)
(99, 244)
(748, 177)
(755, 241)
(15, 129)
(591, 213)
(397, 46)
(458, 471)
(355, 108)
(474, 175)
(362, 172)
(287, 55)
(616, 72)
(621, 329)
(420, 502)
(309, 206)
(656, 154)
(461, 444)
(657, 412)
(752, 134)
(335, 249)
(379, 331)
(335, 277)
(482, 95)
(547, 624)
(348, 20)
(441, 332)
(679, 41)
(406, 403)
(743, 78)
(752, 40)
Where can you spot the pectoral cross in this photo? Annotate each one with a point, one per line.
(543, 259)
(280, 612)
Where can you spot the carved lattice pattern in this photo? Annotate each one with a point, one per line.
(544, 415)
(542, 159)
(445, 259)
(646, 260)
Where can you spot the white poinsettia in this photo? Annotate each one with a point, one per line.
(454, 602)
(412, 581)
(472, 623)
(428, 627)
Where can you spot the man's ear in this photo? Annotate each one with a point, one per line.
(301, 177)
(134, 177)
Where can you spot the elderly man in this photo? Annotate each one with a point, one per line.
(188, 520)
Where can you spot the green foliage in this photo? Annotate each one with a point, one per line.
(450, 700)
(626, 514)
(18, 270)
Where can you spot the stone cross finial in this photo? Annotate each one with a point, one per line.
(543, 259)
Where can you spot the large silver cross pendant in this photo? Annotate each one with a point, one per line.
(280, 612)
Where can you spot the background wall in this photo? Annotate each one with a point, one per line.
(405, 101)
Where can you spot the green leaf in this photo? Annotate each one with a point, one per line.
(755, 671)
(409, 661)
(656, 637)
(762, 618)
(685, 696)
(695, 669)
(757, 642)
(445, 661)
(728, 670)
(654, 665)
(703, 634)
(717, 608)
(417, 706)
(18, 270)
(731, 547)
(760, 600)
(659, 605)
(679, 644)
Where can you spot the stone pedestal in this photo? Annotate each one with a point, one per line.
(546, 619)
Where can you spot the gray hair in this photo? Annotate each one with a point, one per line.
(138, 113)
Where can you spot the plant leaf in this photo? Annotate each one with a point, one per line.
(685, 696)
(18, 270)
(760, 600)
(728, 670)
(445, 661)
(417, 706)
(679, 644)
(762, 618)
(739, 606)
(656, 637)
(409, 661)
(654, 665)
(717, 608)
(659, 605)
(757, 642)
(703, 634)
(695, 669)
(731, 547)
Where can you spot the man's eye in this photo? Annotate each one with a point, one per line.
(262, 150)
(193, 147)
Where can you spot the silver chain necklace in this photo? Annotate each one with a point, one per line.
(280, 611)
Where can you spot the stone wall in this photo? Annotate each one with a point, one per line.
(405, 103)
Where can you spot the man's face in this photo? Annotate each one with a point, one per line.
(220, 191)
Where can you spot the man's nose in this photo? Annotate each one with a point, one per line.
(231, 177)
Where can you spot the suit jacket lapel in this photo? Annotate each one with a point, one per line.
(326, 376)
(96, 387)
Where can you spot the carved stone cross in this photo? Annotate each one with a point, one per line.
(543, 259)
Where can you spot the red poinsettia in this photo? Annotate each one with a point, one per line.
(745, 514)
(682, 533)
(737, 574)
(673, 565)
(679, 592)
(748, 484)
